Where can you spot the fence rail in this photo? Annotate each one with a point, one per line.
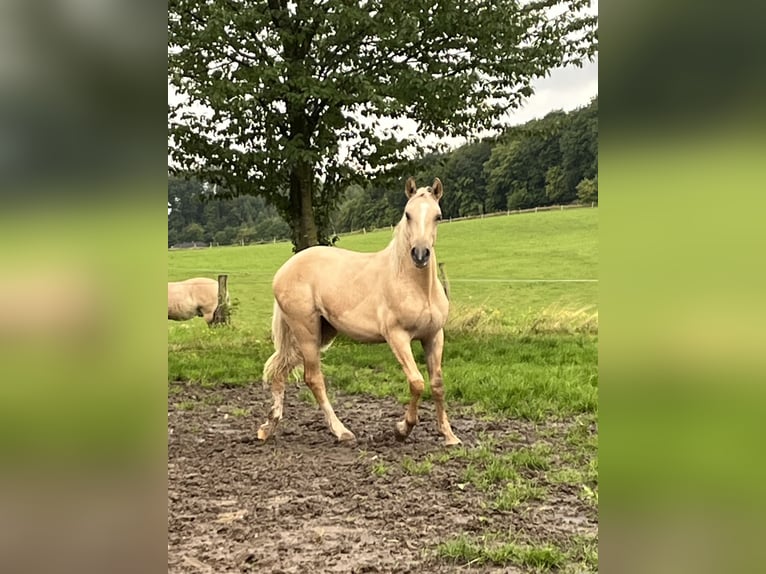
(364, 230)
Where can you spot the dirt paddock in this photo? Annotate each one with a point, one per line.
(303, 503)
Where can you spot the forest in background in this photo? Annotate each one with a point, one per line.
(548, 161)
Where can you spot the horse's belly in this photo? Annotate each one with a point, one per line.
(361, 329)
(181, 313)
(425, 329)
(181, 307)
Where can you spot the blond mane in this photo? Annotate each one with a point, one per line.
(399, 246)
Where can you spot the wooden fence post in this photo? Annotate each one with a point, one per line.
(221, 313)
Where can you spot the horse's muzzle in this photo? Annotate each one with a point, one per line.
(420, 256)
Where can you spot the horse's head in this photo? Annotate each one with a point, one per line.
(421, 215)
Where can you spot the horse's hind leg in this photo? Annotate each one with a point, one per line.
(433, 349)
(275, 413)
(309, 340)
(276, 370)
(278, 378)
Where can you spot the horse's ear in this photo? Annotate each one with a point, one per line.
(437, 190)
(410, 188)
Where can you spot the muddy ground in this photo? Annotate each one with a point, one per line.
(302, 503)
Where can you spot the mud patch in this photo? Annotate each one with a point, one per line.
(303, 503)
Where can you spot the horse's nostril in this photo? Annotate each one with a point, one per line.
(420, 256)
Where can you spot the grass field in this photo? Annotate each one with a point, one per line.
(526, 350)
(503, 340)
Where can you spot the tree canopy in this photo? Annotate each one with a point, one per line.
(294, 100)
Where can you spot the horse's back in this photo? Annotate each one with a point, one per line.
(194, 281)
(318, 263)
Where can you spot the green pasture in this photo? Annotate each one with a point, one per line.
(526, 349)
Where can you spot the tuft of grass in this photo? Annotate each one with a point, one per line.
(486, 469)
(472, 320)
(470, 475)
(445, 456)
(496, 471)
(186, 405)
(585, 551)
(417, 468)
(536, 457)
(213, 400)
(462, 549)
(466, 551)
(589, 495)
(591, 470)
(557, 319)
(240, 412)
(516, 492)
(545, 557)
(380, 469)
(483, 452)
(565, 476)
(175, 390)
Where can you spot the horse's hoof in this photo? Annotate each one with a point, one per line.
(346, 436)
(402, 430)
(263, 433)
(452, 441)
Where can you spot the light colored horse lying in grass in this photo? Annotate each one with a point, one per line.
(391, 296)
(197, 297)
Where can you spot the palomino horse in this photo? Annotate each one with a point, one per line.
(196, 297)
(390, 296)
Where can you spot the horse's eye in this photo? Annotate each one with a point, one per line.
(407, 215)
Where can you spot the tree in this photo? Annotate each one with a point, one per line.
(465, 178)
(556, 185)
(296, 92)
(579, 147)
(587, 190)
(194, 232)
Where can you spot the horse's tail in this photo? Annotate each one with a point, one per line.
(286, 356)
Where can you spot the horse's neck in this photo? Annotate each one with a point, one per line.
(425, 280)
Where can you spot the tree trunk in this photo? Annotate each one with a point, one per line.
(301, 189)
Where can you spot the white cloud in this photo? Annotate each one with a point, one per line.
(565, 89)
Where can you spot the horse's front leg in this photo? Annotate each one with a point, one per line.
(400, 343)
(433, 348)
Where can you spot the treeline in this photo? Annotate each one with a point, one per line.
(195, 216)
(553, 160)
